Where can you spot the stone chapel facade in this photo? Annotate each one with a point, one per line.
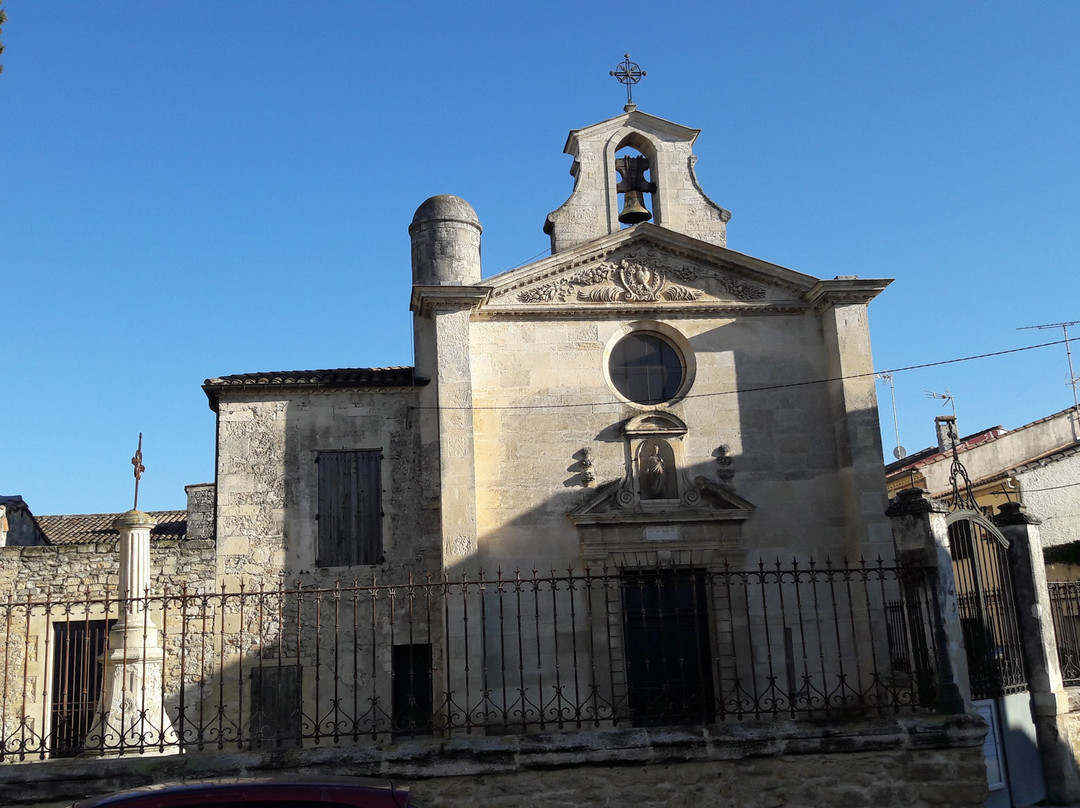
(639, 418)
(644, 395)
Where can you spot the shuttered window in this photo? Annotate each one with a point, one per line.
(350, 508)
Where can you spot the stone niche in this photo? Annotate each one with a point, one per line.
(657, 513)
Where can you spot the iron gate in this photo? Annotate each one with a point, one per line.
(984, 593)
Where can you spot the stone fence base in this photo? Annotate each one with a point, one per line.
(914, 762)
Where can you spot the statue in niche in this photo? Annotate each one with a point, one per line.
(656, 471)
(654, 476)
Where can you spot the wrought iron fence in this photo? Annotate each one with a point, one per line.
(1065, 608)
(344, 664)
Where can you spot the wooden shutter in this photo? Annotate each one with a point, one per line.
(350, 508)
(275, 703)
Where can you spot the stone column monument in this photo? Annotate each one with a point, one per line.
(131, 717)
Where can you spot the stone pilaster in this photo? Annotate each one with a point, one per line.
(841, 303)
(447, 419)
(131, 716)
(1050, 703)
(922, 540)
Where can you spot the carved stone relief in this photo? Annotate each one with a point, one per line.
(724, 471)
(587, 475)
(639, 277)
(460, 547)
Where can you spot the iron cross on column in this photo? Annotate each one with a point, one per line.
(136, 461)
(628, 73)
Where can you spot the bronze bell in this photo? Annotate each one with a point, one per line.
(634, 210)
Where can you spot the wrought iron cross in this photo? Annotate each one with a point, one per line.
(136, 461)
(628, 73)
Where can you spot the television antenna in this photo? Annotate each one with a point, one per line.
(1074, 380)
(899, 452)
(947, 397)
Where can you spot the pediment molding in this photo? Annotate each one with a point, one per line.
(615, 502)
(654, 424)
(844, 290)
(649, 268)
(642, 275)
(632, 120)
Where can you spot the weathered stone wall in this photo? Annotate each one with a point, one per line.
(267, 527)
(76, 571)
(915, 762)
(71, 584)
(200, 511)
(267, 497)
(1067, 727)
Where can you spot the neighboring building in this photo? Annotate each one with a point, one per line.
(1037, 465)
(96, 528)
(18, 527)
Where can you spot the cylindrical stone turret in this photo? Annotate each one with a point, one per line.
(445, 234)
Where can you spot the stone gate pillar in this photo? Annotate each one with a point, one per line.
(922, 540)
(1049, 701)
(131, 717)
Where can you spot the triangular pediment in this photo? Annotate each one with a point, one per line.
(647, 267)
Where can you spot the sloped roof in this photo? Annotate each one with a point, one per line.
(933, 453)
(335, 378)
(89, 528)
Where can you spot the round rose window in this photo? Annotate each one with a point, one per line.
(646, 368)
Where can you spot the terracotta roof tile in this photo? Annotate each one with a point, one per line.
(330, 378)
(88, 528)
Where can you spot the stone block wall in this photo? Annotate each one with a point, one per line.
(267, 517)
(76, 571)
(917, 762)
(200, 511)
(71, 584)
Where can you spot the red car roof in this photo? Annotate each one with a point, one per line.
(290, 792)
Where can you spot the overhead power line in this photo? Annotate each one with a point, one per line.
(1074, 380)
(762, 388)
(1033, 490)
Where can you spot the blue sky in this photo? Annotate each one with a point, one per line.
(203, 188)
